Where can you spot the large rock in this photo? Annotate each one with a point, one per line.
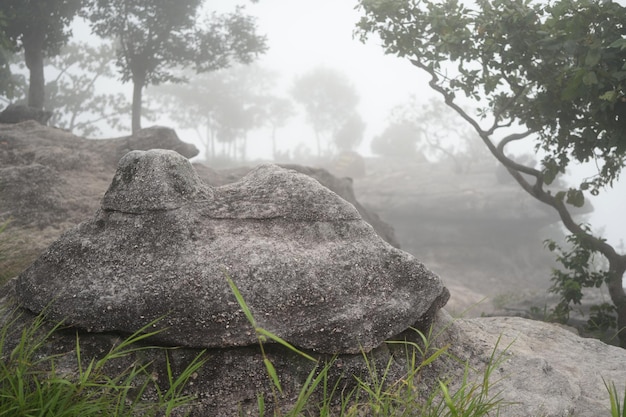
(537, 368)
(155, 137)
(312, 271)
(341, 186)
(230, 381)
(51, 180)
(49, 176)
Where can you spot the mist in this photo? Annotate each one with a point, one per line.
(409, 158)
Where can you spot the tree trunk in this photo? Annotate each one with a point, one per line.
(617, 263)
(244, 146)
(138, 84)
(33, 57)
(209, 150)
(617, 268)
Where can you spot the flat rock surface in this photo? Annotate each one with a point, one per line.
(540, 369)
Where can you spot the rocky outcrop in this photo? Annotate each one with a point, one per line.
(51, 180)
(49, 177)
(312, 270)
(155, 217)
(478, 229)
(537, 368)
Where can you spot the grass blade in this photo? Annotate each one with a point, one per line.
(241, 301)
(283, 342)
(271, 371)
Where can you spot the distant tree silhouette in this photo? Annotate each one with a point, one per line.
(222, 106)
(157, 37)
(329, 100)
(398, 140)
(39, 28)
(350, 133)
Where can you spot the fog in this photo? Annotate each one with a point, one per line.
(451, 205)
(305, 34)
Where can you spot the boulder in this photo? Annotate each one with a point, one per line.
(537, 368)
(155, 137)
(230, 380)
(163, 243)
(156, 205)
(51, 180)
(347, 164)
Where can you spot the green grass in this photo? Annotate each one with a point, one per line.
(33, 384)
(618, 408)
(377, 395)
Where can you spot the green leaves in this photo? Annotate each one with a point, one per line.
(559, 63)
(554, 69)
(157, 38)
(593, 57)
(572, 196)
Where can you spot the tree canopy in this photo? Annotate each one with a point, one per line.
(39, 28)
(157, 37)
(329, 100)
(82, 105)
(349, 135)
(221, 106)
(5, 70)
(398, 140)
(552, 74)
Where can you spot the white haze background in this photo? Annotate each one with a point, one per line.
(305, 34)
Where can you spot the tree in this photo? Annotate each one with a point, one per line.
(79, 103)
(328, 98)
(13, 84)
(5, 69)
(441, 134)
(552, 74)
(350, 133)
(158, 36)
(222, 106)
(279, 111)
(398, 140)
(39, 28)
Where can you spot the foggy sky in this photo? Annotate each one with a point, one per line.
(304, 34)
